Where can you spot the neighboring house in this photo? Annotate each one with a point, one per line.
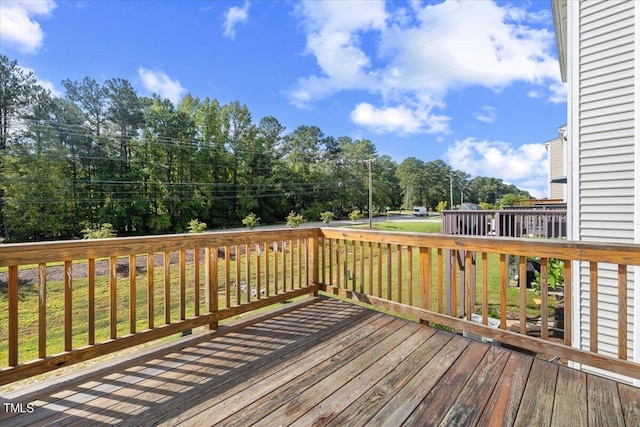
(599, 53)
(557, 166)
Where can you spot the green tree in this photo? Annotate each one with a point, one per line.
(16, 86)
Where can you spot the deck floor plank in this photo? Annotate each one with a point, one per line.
(234, 398)
(253, 349)
(603, 403)
(504, 402)
(407, 399)
(143, 378)
(538, 398)
(360, 410)
(321, 410)
(468, 406)
(571, 393)
(630, 404)
(291, 398)
(327, 362)
(437, 403)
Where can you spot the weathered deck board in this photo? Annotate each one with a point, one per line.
(504, 402)
(361, 407)
(327, 362)
(603, 403)
(571, 393)
(630, 404)
(536, 407)
(437, 403)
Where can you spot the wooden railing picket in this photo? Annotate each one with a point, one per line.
(622, 311)
(42, 311)
(12, 293)
(167, 287)
(150, 290)
(113, 299)
(183, 283)
(196, 281)
(132, 294)
(593, 307)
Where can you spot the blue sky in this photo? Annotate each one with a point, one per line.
(474, 83)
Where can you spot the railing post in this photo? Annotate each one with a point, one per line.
(425, 280)
(13, 314)
(314, 259)
(211, 274)
(68, 308)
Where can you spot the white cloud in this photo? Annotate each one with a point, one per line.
(486, 114)
(160, 83)
(558, 92)
(234, 16)
(399, 119)
(534, 94)
(524, 166)
(414, 56)
(18, 25)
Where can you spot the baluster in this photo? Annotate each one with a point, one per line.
(13, 314)
(150, 291)
(196, 281)
(132, 294)
(42, 311)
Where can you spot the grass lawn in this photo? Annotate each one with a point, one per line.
(418, 226)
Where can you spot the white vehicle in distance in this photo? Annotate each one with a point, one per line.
(420, 211)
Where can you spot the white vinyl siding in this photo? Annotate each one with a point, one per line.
(556, 168)
(606, 152)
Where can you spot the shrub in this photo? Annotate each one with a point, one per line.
(355, 215)
(251, 220)
(555, 275)
(294, 219)
(195, 226)
(327, 217)
(441, 206)
(98, 231)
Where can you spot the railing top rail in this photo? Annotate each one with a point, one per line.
(42, 252)
(509, 211)
(627, 254)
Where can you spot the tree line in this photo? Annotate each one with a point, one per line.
(104, 154)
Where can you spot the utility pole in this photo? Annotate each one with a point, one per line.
(369, 162)
(451, 189)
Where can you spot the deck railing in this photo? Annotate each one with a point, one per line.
(107, 295)
(506, 223)
(111, 294)
(406, 273)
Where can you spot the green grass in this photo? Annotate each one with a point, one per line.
(408, 226)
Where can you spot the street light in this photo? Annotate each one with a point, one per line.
(369, 162)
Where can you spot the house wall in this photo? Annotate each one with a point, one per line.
(556, 168)
(602, 58)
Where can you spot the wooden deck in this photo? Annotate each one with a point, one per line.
(327, 362)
